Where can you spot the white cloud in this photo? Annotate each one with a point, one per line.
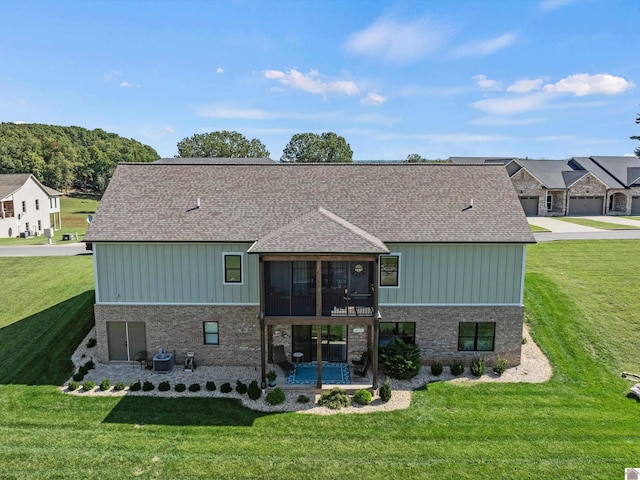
(510, 105)
(505, 121)
(21, 122)
(125, 84)
(584, 84)
(226, 112)
(525, 85)
(219, 70)
(480, 49)
(311, 82)
(549, 5)
(396, 41)
(111, 75)
(373, 99)
(486, 83)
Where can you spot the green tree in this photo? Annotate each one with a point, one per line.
(221, 144)
(637, 137)
(415, 158)
(314, 148)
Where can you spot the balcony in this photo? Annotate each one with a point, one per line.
(334, 304)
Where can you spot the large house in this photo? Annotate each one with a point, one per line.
(581, 186)
(27, 207)
(229, 261)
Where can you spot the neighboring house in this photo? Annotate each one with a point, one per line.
(27, 206)
(580, 186)
(329, 260)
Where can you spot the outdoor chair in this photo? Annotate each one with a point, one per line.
(363, 372)
(280, 359)
(363, 359)
(141, 358)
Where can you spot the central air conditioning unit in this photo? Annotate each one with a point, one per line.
(163, 363)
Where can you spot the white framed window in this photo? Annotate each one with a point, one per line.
(39, 225)
(24, 206)
(232, 268)
(210, 330)
(549, 202)
(37, 204)
(390, 270)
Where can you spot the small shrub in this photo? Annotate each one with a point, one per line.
(275, 396)
(194, 387)
(211, 386)
(303, 399)
(78, 377)
(83, 370)
(226, 387)
(500, 366)
(180, 387)
(88, 386)
(73, 385)
(400, 360)
(135, 386)
(334, 399)
(254, 390)
(91, 343)
(457, 368)
(362, 397)
(478, 367)
(118, 387)
(147, 386)
(385, 391)
(90, 365)
(241, 388)
(436, 368)
(105, 385)
(164, 386)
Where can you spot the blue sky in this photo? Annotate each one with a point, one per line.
(537, 79)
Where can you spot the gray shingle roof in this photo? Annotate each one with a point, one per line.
(10, 182)
(215, 161)
(591, 166)
(621, 168)
(246, 203)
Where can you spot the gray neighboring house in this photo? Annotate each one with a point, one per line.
(581, 186)
(27, 207)
(328, 260)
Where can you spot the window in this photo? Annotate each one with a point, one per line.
(406, 331)
(549, 202)
(232, 268)
(26, 226)
(389, 266)
(24, 206)
(39, 225)
(210, 333)
(37, 204)
(476, 336)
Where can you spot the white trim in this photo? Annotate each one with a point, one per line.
(95, 274)
(524, 266)
(224, 270)
(207, 304)
(450, 304)
(390, 254)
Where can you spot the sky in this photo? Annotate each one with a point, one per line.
(509, 78)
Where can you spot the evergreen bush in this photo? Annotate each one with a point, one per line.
(118, 387)
(135, 386)
(226, 387)
(180, 387)
(399, 359)
(194, 387)
(385, 391)
(83, 370)
(164, 386)
(303, 399)
(500, 366)
(275, 396)
(91, 343)
(334, 399)
(478, 367)
(105, 385)
(241, 388)
(147, 386)
(73, 385)
(211, 386)
(88, 386)
(362, 397)
(90, 365)
(78, 377)
(436, 368)
(254, 390)
(457, 368)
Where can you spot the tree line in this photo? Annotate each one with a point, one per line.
(67, 158)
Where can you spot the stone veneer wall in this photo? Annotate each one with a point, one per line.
(437, 330)
(179, 328)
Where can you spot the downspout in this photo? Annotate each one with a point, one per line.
(263, 363)
(376, 325)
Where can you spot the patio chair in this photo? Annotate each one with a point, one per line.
(141, 358)
(280, 359)
(362, 361)
(363, 372)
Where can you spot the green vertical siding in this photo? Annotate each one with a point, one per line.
(172, 273)
(457, 274)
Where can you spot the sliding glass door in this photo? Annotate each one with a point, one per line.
(333, 342)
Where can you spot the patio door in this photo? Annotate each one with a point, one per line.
(333, 340)
(125, 339)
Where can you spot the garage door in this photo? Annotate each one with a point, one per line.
(635, 206)
(585, 206)
(530, 206)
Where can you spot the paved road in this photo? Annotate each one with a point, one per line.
(559, 230)
(43, 250)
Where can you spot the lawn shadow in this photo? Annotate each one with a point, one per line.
(147, 410)
(38, 349)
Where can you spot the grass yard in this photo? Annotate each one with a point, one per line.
(74, 212)
(536, 228)
(582, 305)
(596, 224)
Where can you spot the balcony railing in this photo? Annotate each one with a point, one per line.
(334, 304)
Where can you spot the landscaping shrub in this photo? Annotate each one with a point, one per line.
(78, 377)
(225, 387)
(83, 370)
(400, 360)
(478, 367)
(91, 343)
(457, 367)
(73, 385)
(194, 387)
(362, 397)
(385, 391)
(334, 399)
(88, 386)
(90, 365)
(241, 388)
(254, 390)
(275, 396)
(180, 387)
(500, 366)
(118, 387)
(105, 385)
(135, 386)
(211, 386)
(524, 340)
(147, 386)
(164, 386)
(436, 368)
(303, 399)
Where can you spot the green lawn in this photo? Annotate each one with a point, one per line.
(74, 212)
(596, 224)
(536, 228)
(582, 305)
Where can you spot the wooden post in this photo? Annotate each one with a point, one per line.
(319, 327)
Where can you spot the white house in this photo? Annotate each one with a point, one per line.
(27, 206)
